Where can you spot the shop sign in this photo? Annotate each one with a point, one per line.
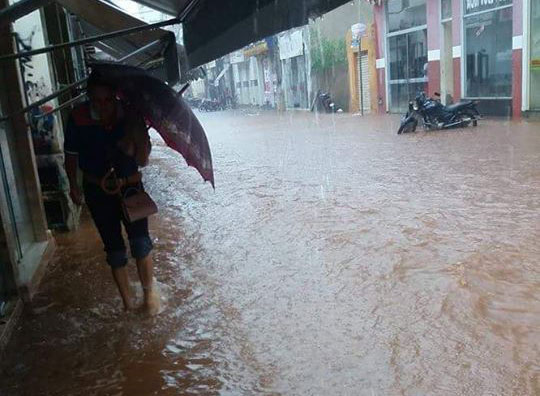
(472, 6)
(237, 57)
(358, 31)
(267, 77)
(257, 49)
(291, 45)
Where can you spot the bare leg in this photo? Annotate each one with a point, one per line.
(121, 278)
(151, 295)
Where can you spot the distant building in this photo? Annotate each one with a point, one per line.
(341, 64)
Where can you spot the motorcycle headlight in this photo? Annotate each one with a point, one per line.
(415, 106)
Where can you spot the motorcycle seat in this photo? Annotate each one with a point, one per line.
(458, 106)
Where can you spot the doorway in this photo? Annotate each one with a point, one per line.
(408, 67)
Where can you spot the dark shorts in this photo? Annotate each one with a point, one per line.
(108, 217)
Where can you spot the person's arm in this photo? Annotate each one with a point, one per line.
(72, 164)
(71, 151)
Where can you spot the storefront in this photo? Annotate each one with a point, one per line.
(460, 48)
(487, 27)
(294, 64)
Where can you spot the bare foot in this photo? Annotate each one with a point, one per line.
(151, 301)
(128, 305)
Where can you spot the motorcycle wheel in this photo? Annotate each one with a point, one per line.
(473, 115)
(409, 126)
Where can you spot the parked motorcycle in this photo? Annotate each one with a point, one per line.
(194, 103)
(211, 105)
(323, 102)
(434, 115)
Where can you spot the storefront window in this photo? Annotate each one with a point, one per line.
(407, 53)
(446, 9)
(535, 56)
(488, 46)
(406, 14)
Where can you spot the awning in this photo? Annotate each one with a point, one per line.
(219, 27)
(160, 49)
(220, 75)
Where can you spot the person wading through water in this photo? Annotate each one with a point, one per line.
(109, 143)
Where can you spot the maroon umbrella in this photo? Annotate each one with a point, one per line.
(164, 111)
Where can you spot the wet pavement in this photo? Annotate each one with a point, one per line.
(334, 258)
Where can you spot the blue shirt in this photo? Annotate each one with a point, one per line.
(96, 146)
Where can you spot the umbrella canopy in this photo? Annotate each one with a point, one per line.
(164, 111)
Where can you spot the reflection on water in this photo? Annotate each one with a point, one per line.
(334, 257)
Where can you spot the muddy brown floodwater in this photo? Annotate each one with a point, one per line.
(334, 258)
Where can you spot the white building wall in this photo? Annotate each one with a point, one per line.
(255, 90)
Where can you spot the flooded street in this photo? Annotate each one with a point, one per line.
(334, 258)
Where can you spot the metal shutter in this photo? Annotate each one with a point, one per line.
(363, 83)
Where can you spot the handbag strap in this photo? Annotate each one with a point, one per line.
(129, 189)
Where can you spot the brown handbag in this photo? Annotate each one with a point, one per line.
(137, 206)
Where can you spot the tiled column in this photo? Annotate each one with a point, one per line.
(517, 55)
(457, 21)
(434, 46)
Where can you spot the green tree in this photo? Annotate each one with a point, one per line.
(327, 53)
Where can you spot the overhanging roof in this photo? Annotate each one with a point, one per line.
(98, 17)
(212, 28)
(218, 27)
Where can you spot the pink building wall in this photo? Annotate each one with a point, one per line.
(379, 54)
(434, 46)
(517, 57)
(456, 43)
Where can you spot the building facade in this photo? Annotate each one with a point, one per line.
(248, 74)
(363, 93)
(340, 63)
(295, 67)
(473, 49)
(25, 242)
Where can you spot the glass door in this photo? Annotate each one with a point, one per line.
(408, 68)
